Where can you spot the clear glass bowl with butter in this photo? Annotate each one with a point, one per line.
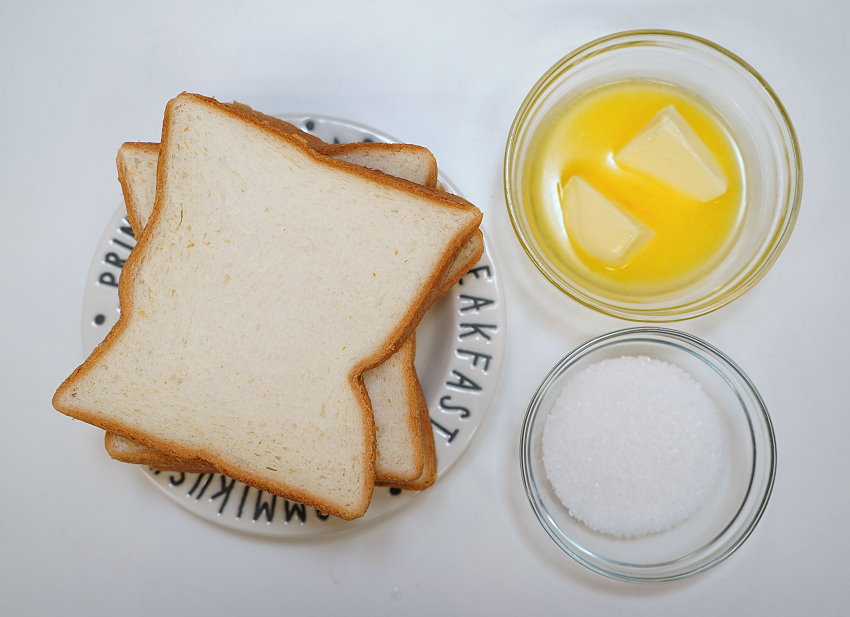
(647, 465)
(652, 175)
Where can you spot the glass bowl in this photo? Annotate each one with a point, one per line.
(756, 120)
(722, 523)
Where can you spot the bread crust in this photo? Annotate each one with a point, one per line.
(63, 398)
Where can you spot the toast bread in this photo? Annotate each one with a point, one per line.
(195, 344)
(392, 385)
(405, 450)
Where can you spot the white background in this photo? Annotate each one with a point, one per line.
(81, 535)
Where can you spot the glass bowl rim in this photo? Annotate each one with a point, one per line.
(713, 300)
(759, 414)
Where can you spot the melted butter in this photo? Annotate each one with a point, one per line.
(581, 139)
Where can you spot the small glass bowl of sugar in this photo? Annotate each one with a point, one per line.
(647, 455)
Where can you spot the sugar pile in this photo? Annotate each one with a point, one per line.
(632, 446)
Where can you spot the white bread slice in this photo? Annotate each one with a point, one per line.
(129, 451)
(405, 442)
(270, 278)
(429, 468)
(413, 163)
(401, 412)
(392, 386)
(136, 164)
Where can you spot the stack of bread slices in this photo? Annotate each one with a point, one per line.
(268, 310)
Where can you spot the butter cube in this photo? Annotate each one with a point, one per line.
(599, 226)
(668, 149)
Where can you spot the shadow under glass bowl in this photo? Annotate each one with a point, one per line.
(722, 524)
(755, 118)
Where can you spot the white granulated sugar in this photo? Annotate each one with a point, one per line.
(632, 446)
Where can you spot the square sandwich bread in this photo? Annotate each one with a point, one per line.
(269, 279)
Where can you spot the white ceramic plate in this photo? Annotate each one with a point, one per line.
(460, 346)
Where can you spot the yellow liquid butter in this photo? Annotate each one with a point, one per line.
(684, 235)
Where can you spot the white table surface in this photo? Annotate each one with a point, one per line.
(81, 535)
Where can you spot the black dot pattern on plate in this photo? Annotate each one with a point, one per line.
(309, 125)
(99, 319)
(395, 491)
